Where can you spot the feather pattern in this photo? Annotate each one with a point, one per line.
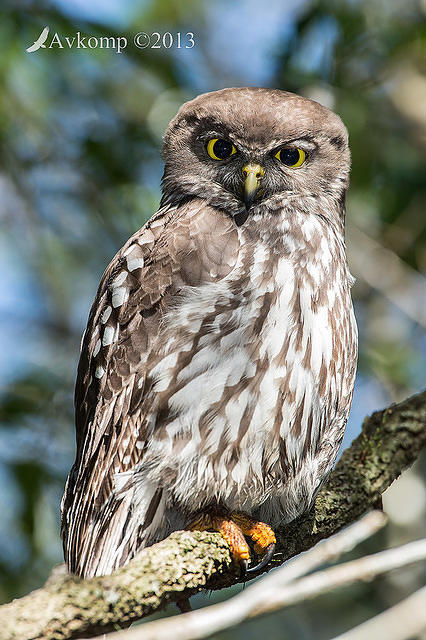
(217, 367)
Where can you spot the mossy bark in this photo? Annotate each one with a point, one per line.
(68, 607)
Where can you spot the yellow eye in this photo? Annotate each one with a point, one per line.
(291, 157)
(220, 149)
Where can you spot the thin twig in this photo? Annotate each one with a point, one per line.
(403, 621)
(363, 569)
(383, 270)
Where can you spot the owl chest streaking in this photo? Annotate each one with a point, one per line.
(218, 363)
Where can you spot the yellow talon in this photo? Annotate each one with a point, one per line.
(233, 528)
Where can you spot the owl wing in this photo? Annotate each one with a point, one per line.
(188, 245)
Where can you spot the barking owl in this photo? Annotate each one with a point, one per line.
(218, 363)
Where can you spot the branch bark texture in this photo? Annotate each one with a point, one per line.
(68, 607)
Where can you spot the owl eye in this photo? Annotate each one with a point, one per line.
(291, 156)
(220, 149)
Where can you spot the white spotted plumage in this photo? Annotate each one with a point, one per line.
(217, 367)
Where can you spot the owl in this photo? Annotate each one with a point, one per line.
(218, 363)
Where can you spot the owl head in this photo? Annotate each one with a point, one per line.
(240, 149)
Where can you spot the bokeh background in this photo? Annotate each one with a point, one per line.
(80, 171)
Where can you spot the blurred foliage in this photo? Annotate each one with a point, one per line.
(80, 171)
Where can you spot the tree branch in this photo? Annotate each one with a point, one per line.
(68, 607)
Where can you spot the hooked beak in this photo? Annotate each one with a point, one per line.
(253, 174)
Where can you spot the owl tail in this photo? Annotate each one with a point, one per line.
(125, 524)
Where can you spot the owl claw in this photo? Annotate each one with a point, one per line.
(243, 567)
(184, 605)
(233, 527)
(265, 560)
(231, 533)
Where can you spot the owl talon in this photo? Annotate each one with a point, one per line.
(243, 567)
(233, 528)
(231, 533)
(265, 560)
(184, 605)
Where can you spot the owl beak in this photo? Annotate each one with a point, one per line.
(252, 174)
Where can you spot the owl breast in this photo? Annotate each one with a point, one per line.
(252, 388)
